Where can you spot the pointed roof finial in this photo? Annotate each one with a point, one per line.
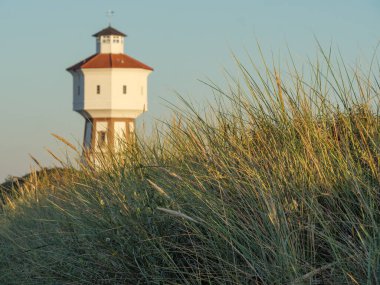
(110, 13)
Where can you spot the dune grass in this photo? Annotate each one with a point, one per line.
(277, 182)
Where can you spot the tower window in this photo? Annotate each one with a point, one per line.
(124, 89)
(102, 138)
(78, 90)
(97, 89)
(107, 39)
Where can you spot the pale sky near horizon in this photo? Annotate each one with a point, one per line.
(184, 41)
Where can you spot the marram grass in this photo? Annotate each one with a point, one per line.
(275, 183)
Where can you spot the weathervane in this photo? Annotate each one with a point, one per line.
(110, 13)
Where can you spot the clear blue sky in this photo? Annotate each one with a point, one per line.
(183, 40)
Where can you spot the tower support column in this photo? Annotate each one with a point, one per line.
(103, 134)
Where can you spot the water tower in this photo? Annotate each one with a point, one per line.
(110, 90)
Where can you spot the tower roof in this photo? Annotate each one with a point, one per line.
(103, 60)
(108, 32)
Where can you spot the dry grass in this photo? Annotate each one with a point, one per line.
(278, 183)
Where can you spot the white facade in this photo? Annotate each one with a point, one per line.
(111, 92)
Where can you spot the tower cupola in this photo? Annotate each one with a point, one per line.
(109, 40)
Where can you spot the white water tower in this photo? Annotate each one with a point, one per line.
(110, 89)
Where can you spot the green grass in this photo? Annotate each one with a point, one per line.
(277, 182)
